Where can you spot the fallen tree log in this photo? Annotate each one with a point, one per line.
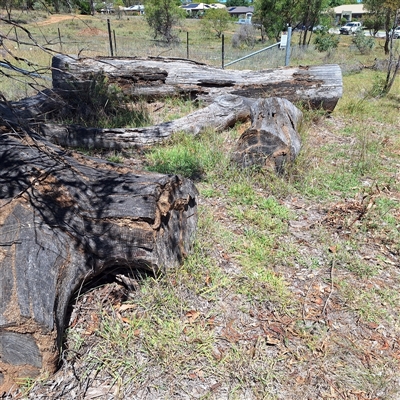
(223, 113)
(65, 219)
(272, 141)
(277, 116)
(155, 77)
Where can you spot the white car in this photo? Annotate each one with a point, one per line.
(396, 33)
(350, 28)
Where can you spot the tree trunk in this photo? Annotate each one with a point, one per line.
(272, 141)
(65, 219)
(155, 77)
(221, 114)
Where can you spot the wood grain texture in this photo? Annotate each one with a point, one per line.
(65, 220)
(155, 77)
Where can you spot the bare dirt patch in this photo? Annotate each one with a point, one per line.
(57, 18)
(92, 32)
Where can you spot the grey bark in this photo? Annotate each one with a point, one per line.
(149, 78)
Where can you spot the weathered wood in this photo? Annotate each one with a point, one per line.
(64, 220)
(223, 113)
(155, 77)
(273, 140)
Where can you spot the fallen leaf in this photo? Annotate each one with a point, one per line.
(300, 380)
(271, 340)
(192, 315)
(125, 307)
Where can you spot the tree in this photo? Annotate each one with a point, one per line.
(9, 5)
(310, 14)
(384, 11)
(162, 16)
(216, 20)
(237, 3)
(374, 22)
(276, 15)
(389, 10)
(394, 62)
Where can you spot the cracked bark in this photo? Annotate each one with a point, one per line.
(65, 221)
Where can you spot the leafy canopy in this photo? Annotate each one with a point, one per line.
(216, 20)
(162, 16)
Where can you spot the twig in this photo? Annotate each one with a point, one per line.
(330, 293)
(305, 297)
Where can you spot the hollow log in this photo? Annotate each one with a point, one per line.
(65, 219)
(155, 77)
(272, 141)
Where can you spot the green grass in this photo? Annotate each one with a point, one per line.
(187, 155)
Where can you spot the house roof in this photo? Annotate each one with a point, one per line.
(191, 6)
(240, 10)
(353, 8)
(201, 6)
(217, 5)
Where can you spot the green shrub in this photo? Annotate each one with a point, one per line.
(363, 43)
(325, 41)
(83, 7)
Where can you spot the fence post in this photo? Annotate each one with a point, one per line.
(289, 37)
(187, 45)
(59, 38)
(109, 37)
(115, 42)
(16, 35)
(223, 51)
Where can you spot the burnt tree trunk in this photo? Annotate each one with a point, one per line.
(272, 141)
(152, 78)
(64, 220)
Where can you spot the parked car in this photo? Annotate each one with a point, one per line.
(320, 28)
(350, 28)
(396, 33)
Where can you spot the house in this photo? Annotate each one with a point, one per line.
(240, 10)
(350, 12)
(198, 9)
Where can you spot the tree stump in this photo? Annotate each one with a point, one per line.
(272, 141)
(64, 220)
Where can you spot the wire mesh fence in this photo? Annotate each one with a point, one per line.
(82, 38)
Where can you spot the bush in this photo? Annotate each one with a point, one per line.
(244, 36)
(363, 43)
(325, 41)
(83, 7)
